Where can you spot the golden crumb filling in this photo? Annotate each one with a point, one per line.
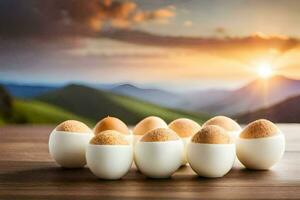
(73, 126)
(160, 135)
(109, 137)
(259, 129)
(212, 134)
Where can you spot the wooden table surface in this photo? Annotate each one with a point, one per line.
(28, 172)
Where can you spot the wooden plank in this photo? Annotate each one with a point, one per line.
(28, 172)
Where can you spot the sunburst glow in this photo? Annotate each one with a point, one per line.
(265, 70)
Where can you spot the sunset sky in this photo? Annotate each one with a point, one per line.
(171, 44)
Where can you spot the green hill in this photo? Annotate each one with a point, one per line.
(34, 112)
(2, 122)
(5, 103)
(95, 104)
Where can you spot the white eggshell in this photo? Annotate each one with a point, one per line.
(234, 135)
(158, 159)
(185, 141)
(260, 153)
(109, 161)
(129, 138)
(211, 160)
(136, 138)
(68, 148)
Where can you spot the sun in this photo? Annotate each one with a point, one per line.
(264, 70)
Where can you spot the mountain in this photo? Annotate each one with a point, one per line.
(27, 90)
(155, 96)
(35, 112)
(287, 111)
(96, 104)
(201, 98)
(257, 94)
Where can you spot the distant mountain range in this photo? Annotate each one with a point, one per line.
(196, 100)
(82, 103)
(95, 104)
(27, 90)
(287, 111)
(156, 96)
(255, 95)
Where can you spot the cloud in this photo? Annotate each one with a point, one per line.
(220, 31)
(242, 49)
(279, 42)
(48, 18)
(161, 16)
(187, 23)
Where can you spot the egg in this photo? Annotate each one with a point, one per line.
(67, 143)
(185, 129)
(260, 145)
(211, 152)
(109, 155)
(113, 123)
(146, 125)
(231, 126)
(158, 154)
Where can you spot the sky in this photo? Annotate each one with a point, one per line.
(173, 44)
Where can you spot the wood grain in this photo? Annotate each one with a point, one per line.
(28, 172)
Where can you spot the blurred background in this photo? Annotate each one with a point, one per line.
(86, 59)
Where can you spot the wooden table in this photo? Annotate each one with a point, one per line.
(28, 172)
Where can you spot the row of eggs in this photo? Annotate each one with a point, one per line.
(158, 149)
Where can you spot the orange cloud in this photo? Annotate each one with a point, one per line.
(58, 18)
(244, 50)
(220, 31)
(160, 15)
(125, 14)
(188, 23)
